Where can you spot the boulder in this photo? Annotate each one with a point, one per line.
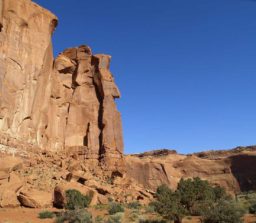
(9, 190)
(9, 163)
(35, 199)
(8, 198)
(4, 175)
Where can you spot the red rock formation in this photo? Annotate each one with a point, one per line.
(231, 169)
(66, 104)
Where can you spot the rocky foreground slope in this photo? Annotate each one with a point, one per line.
(60, 128)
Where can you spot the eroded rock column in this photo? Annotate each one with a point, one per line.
(66, 104)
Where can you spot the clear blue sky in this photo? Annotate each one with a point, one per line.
(186, 68)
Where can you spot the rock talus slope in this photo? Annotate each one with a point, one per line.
(63, 104)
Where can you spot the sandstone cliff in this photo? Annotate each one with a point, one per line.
(59, 118)
(63, 104)
(234, 169)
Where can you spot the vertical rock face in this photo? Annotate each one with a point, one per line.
(83, 115)
(25, 65)
(63, 104)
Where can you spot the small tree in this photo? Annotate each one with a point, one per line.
(168, 204)
(220, 193)
(194, 191)
(193, 196)
(252, 209)
(134, 205)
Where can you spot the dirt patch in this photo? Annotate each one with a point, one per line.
(23, 215)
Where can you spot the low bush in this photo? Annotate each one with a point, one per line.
(76, 200)
(99, 219)
(115, 207)
(116, 218)
(252, 209)
(247, 200)
(150, 208)
(134, 205)
(101, 207)
(75, 216)
(223, 211)
(46, 214)
(134, 215)
(152, 221)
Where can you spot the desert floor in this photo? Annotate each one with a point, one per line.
(25, 215)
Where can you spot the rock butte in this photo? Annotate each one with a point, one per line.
(63, 104)
(60, 128)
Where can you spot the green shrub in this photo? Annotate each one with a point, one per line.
(110, 199)
(152, 221)
(134, 215)
(46, 214)
(247, 200)
(101, 207)
(223, 211)
(76, 200)
(150, 208)
(99, 219)
(115, 208)
(252, 209)
(116, 218)
(75, 216)
(134, 205)
(219, 193)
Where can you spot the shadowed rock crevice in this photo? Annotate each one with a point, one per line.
(86, 137)
(100, 96)
(244, 170)
(53, 25)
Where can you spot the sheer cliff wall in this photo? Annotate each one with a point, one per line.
(62, 104)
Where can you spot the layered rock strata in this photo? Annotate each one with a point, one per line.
(63, 104)
(232, 169)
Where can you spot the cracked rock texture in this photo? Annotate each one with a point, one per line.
(63, 104)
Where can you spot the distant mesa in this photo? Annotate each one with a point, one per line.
(156, 152)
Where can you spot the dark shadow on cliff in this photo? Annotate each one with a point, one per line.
(243, 168)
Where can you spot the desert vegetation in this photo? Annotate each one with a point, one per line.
(194, 200)
(76, 200)
(46, 214)
(196, 197)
